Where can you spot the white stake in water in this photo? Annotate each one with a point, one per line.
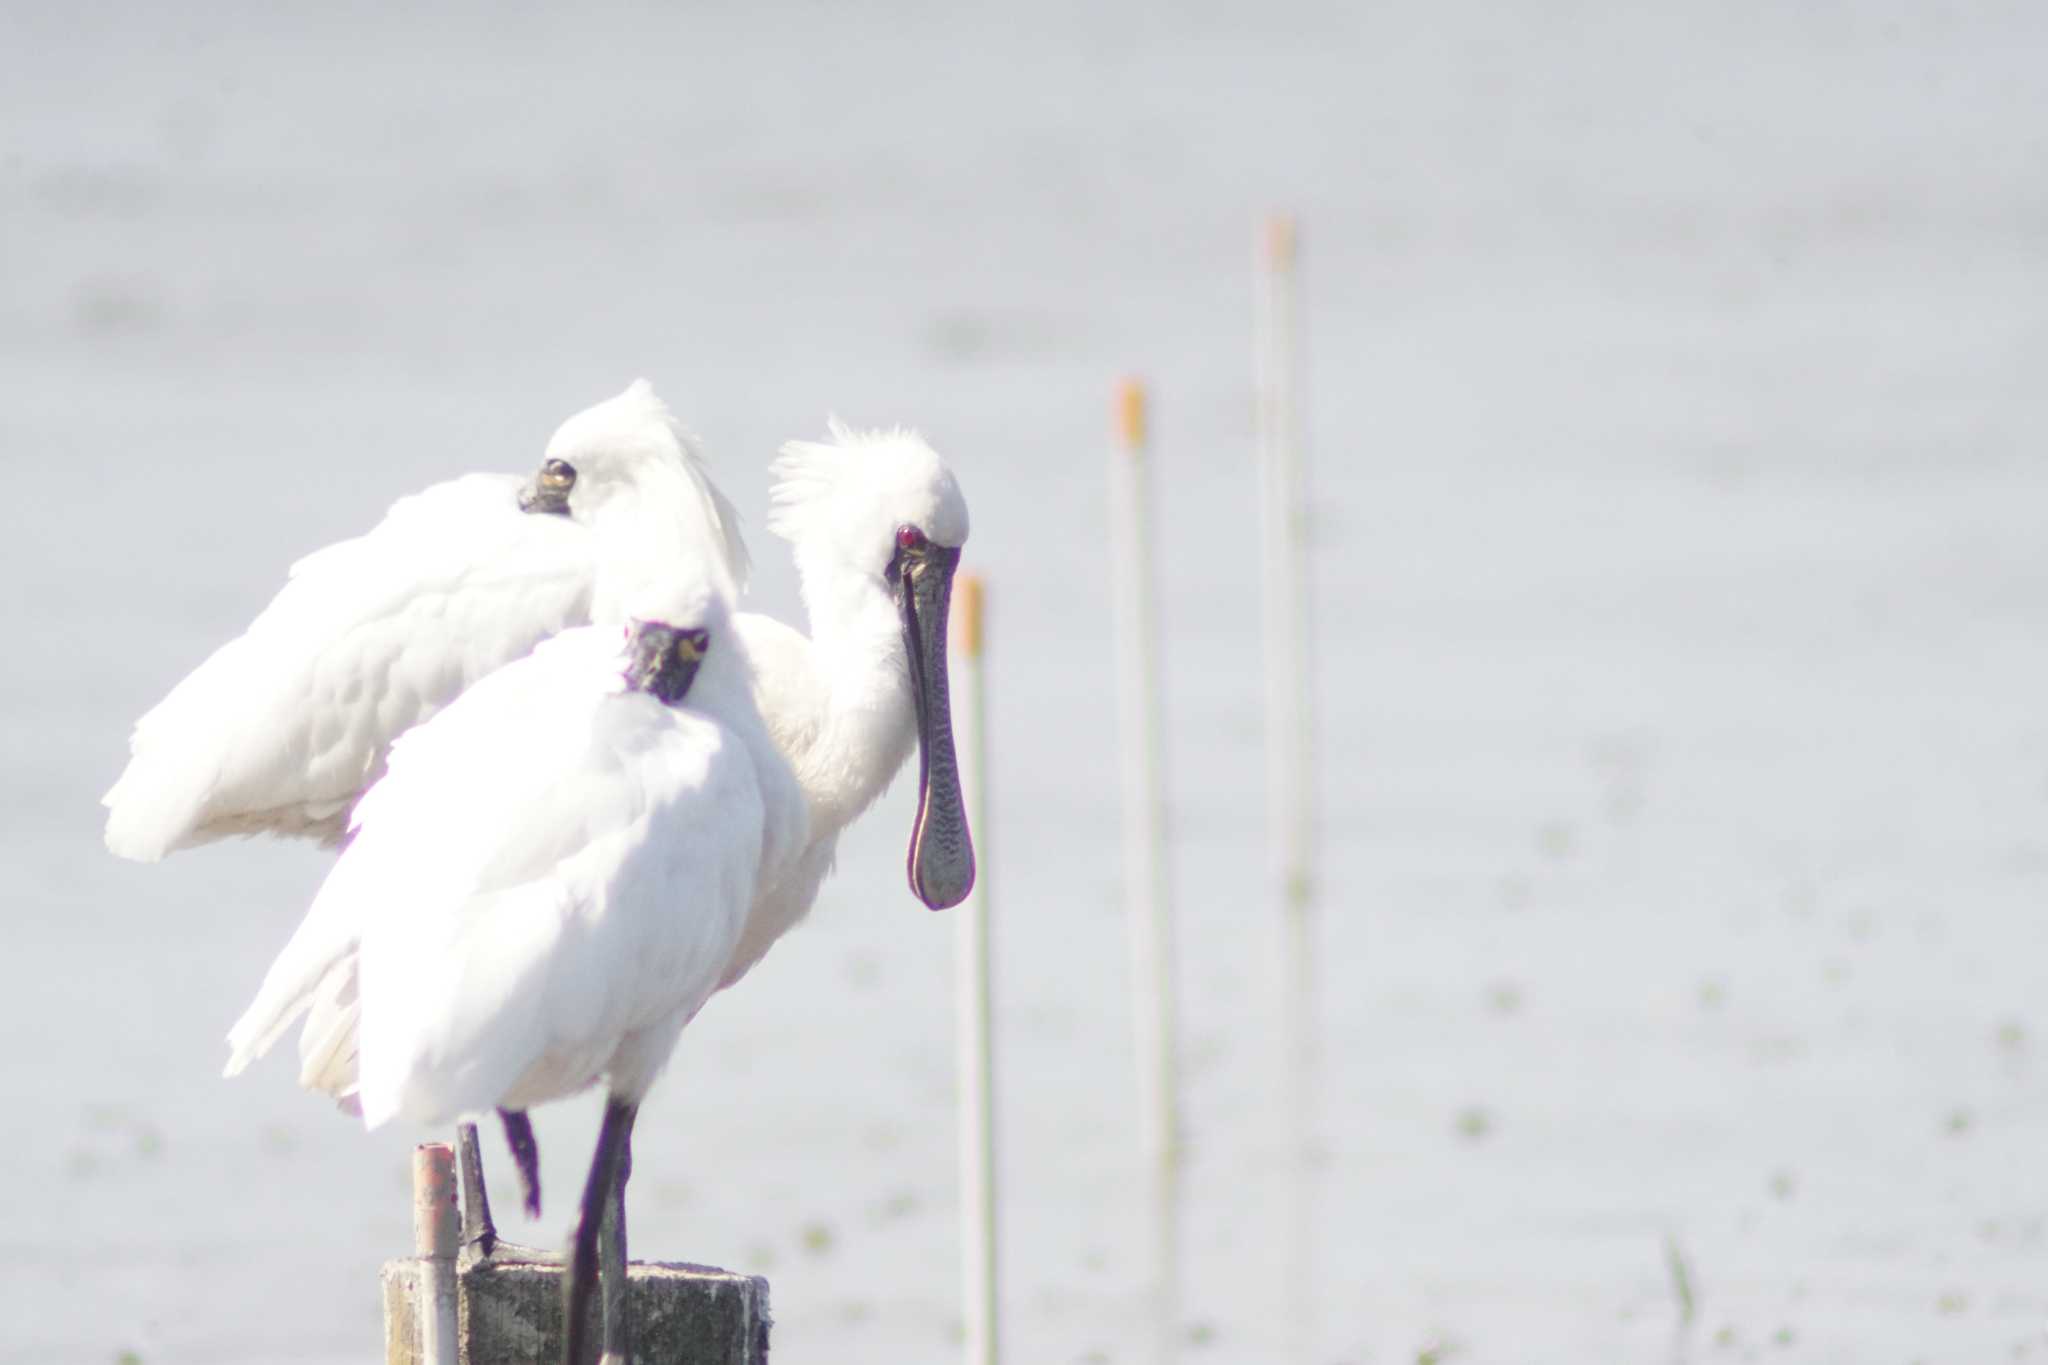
(973, 1009)
(1141, 704)
(1290, 813)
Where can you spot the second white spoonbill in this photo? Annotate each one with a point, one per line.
(544, 890)
(282, 729)
(875, 521)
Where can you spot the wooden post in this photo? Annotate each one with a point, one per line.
(1146, 887)
(439, 1310)
(973, 1006)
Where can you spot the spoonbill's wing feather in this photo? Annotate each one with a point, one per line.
(283, 728)
(543, 890)
(586, 891)
(317, 969)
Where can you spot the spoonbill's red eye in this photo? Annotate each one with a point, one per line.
(910, 538)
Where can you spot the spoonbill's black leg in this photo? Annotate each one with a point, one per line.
(526, 1155)
(613, 1267)
(606, 1180)
(478, 1231)
(480, 1240)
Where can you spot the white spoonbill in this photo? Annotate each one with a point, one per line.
(876, 522)
(545, 888)
(284, 728)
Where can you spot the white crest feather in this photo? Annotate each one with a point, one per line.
(803, 477)
(807, 475)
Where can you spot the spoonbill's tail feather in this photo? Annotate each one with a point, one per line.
(327, 1045)
(316, 971)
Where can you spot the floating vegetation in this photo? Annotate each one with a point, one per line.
(1681, 1280)
(899, 1205)
(1436, 1352)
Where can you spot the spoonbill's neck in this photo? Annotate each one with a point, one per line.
(645, 541)
(864, 722)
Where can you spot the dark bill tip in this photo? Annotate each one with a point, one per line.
(942, 881)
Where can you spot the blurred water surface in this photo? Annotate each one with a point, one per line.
(1679, 542)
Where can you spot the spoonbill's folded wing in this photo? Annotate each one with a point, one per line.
(544, 889)
(283, 728)
(317, 969)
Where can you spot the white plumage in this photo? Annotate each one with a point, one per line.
(847, 703)
(542, 891)
(557, 870)
(841, 705)
(545, 887)
(284, 728)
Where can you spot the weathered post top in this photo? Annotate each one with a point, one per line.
(441, 1309)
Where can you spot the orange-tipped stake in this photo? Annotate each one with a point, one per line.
(967, 631)
(1290, 784)
(1146, 892)
(1130, 414)
(981, 1339)
(1280, 239)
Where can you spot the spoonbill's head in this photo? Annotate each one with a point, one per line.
(882, 505)
(629, 455)
(662, 659)
(676, 627)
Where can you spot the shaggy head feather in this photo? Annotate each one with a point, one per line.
(845, 498)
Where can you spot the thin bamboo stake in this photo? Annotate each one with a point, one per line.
(1290, 814)
(1146, 886)
(434, 1224)
(973, 1007)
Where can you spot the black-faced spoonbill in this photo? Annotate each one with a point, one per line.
(875, 522)
(544, 889)
(283, 728)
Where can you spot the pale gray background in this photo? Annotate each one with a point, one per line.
(1678, 418)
